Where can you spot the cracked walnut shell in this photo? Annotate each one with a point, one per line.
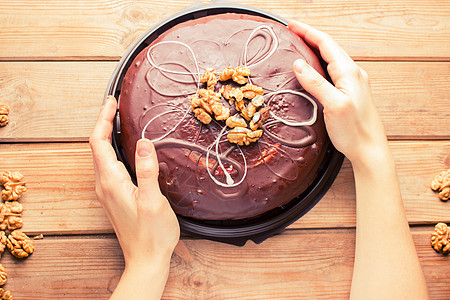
(19, 244)
(442, 184)
(440, 240)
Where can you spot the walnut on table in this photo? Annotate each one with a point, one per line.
(4, 111)
(13, 184)
(440, 240)
(4, 120)
(19, 244)
(5, 295)
(10, 215)
(3, 240)
(442, 184)
(3, 275)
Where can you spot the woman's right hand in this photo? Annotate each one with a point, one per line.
(350, 114)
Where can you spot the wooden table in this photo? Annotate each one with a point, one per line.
(56, 58)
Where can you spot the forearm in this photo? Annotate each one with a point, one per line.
(143, 281)
(386, 263)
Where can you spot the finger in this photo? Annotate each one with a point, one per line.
(340, 66)
(329, 49)
(147, 171)
(99, 141)
(315, 83)
(103, 126)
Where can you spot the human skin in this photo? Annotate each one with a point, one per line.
(386, 265)
(145, 225)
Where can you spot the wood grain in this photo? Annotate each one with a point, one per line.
(56, 58)
(52, 100)
(61, 197)
(59, 101)
(296, 264)
(88, 30)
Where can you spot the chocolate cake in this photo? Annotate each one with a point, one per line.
(202, 173)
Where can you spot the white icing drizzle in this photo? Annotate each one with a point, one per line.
(229, 181)
(150, 60)
(175, 72)
(292, 123)
(275, 39)
(162, 114)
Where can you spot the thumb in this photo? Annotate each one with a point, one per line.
(314, 83)
(147, 168)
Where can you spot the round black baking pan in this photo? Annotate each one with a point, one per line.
(236, 232)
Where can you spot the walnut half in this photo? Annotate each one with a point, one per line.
(2, 275)
(3, 240)
(10, 216)
(4, 111)
(5, 295)
(440, 240)
(238, 74)
(210, 77)
(19, 244)
(13, 184)
(243, 136)
(442, 184)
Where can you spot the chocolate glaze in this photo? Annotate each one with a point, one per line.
(280, 166)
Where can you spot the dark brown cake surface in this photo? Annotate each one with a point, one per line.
(266, 174)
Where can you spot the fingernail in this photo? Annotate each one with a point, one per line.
(299, 65)
(108, 99)
(144, 148)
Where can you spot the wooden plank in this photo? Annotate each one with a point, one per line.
(87, 30)
(294, 265)
(52, 101)
(61, 196)
(59, 101)
(412, 98)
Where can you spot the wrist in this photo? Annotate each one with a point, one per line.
(144, 279)
(148, 265)
(371, 158)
